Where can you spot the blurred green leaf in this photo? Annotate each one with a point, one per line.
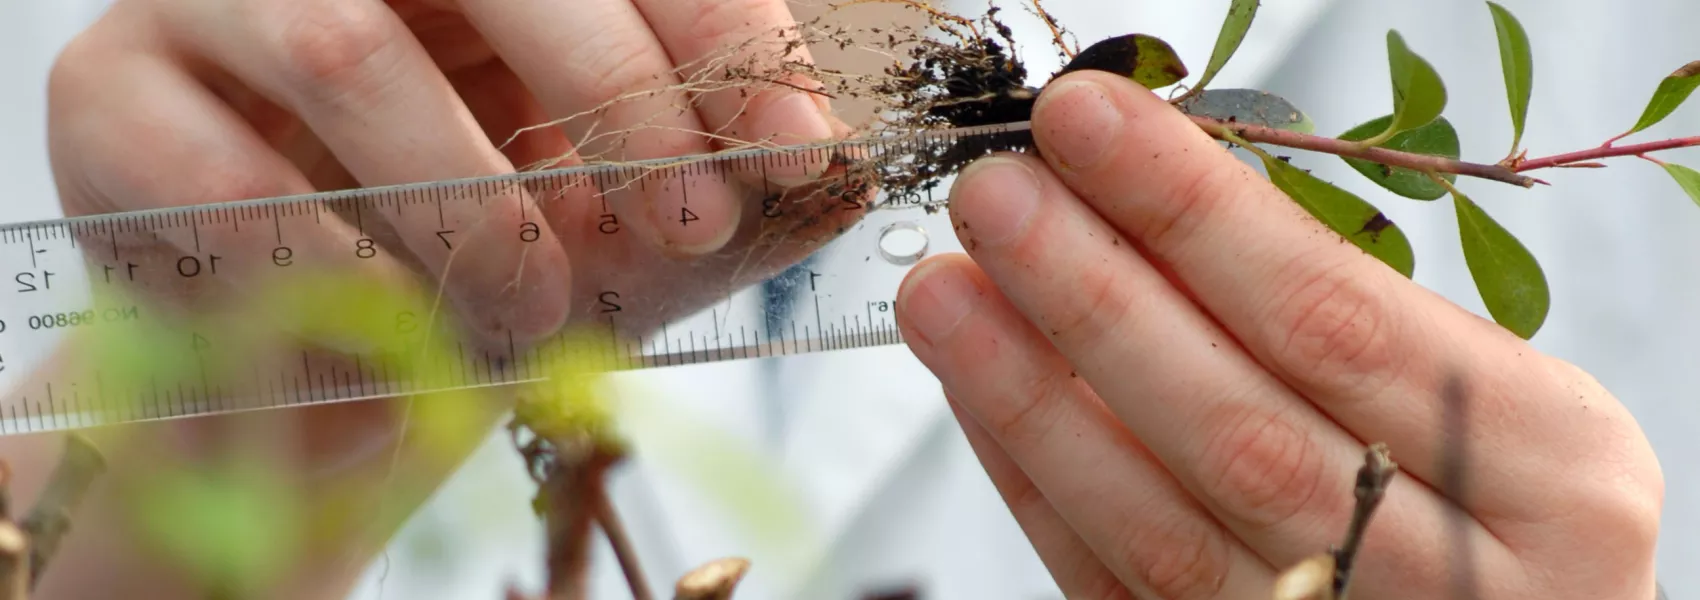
(1517, 63)
(1147, 60)
(1688, 178)
(1507, 276)
(236, 528)
(1255, 107)
(1672, 92)
(1418, 94)
(1240, 15)
(1348, 215)
(1437, 138)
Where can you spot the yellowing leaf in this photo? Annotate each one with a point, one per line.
(1672, 92)
(1147, 60)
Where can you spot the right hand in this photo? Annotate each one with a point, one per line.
(179, 102)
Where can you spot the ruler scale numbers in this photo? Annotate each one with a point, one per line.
(167, 289)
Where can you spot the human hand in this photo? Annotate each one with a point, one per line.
(1170, 371)
(178, 102)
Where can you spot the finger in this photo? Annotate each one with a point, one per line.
(1076, 570)
(1136, 519)
(709, 37)
(131, 131)
(597, 65)
(356, 76)
(608, 258)
(1268, 465)
(1372, 349)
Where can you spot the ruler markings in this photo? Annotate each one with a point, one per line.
(679, 341)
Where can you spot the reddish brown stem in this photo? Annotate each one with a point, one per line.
(624, 550)
(1606, 151)
(1394, 158)
(1511, 173)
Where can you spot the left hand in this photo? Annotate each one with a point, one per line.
(1171, 372)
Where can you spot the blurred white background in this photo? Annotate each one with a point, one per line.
(885, 473)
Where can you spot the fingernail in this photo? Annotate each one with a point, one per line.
(537, 308)
(1076, 122)
(793, 119)
(695, 215)
(937, 300)
(993, 199)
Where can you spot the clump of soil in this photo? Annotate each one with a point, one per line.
(954, 72)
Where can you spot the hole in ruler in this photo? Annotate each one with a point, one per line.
(903, 243)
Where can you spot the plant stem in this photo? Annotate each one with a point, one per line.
(624, 551)
(1371, 486)
(1606, 151)
(1512, 174)
(50, 519)
(1394, 158)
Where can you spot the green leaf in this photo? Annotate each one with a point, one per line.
(1418, 94)
(1437, 138)
(1518, 65)
(1672, 92)
(1234, 28)
(1507, 276)
(1688, 178)
(1256, 107)
(235, 529)
(1348, 215)
(1147, 60)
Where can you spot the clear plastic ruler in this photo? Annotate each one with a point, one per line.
(278, 302)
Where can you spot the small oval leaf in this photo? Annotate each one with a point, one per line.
(1688, 178)
(1672, 92)
(1518, 64)
(1507, 276)
(1418, 94)
(1240, 15)
(1147, 60)
(1348, 215)
(1256, 107)
(1437, 138)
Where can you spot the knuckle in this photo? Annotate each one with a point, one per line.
(1190, 202)
(612, 63)
(1261, 468)
(1099, 300)
(724, 20)
(1331, 327)
(1177, 557)
(332, 45)
(1031, 408)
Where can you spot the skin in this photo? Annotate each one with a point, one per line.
(1189, 467)
(1170, 372)
(176, 102)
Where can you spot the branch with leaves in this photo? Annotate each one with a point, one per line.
(1414, 152)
